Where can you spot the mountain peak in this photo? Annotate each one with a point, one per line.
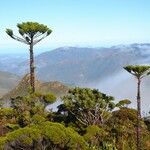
(22, 88)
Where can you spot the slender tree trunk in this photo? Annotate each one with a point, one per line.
(138, 115)
(32, 76)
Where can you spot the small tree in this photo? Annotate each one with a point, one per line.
(29, 109)
(139, 72)
(87, 106)
(32, 33)
(123, 103)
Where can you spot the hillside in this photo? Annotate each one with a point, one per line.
(7, 82)
(22, 88)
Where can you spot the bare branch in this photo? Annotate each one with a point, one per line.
(38, 34)
(37, 41)
(20, 39)
(79, 119)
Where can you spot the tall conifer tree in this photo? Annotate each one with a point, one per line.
(139, 72)
(31, 34)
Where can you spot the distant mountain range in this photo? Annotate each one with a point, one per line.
(93, 67)
(80, 66)
(10, 62)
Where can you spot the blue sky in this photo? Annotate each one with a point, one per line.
(79, 22)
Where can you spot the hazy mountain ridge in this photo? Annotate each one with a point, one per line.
(22, 88)
(10, 62)
(75, 65)
(84, 65)
(7, 81)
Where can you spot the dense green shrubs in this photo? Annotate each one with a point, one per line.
(85, 121)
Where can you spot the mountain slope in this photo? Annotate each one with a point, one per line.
(7, 81)
(22, 88)
(81, 66)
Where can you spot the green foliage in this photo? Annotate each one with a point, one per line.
(95, 136)
(49, 135)
(31, 32)
(38, 119)
(107, 130)
(66, 137)
(88, 106)
(49, 98)
(12, 126)
(98, 138)
(2, 142)
(21, 138)
(147, 122)
(9, 32)
(123, 125)
(7, 113)
(31, 108)
(138, 71)
(32, 28)
(123, 103)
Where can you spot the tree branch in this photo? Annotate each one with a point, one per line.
(20, 39)
(37, 41)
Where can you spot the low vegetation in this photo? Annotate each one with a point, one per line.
(87, 120)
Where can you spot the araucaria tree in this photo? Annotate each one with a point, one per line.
(139, 72)
(31, 34)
